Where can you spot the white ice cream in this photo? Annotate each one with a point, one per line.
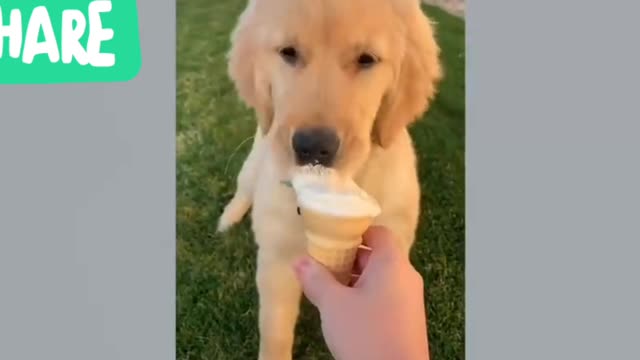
(322, 190)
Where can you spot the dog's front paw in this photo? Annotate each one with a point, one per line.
(233, 212)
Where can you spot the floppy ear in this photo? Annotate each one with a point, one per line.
(415, 82)
(243, 67)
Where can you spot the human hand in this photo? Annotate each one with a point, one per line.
(382, 316)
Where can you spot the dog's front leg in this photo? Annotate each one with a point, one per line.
(242, 200)
(280, 295)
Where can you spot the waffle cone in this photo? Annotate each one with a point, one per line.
(334, 240)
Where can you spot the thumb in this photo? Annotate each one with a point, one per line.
(317, 282)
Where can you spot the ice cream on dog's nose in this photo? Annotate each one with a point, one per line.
(335, 212)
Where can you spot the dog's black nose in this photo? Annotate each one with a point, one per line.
(315, 146)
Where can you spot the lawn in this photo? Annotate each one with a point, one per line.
(216, 296)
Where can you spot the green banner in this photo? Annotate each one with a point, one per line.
(68, 41)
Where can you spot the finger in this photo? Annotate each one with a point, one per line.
(381, 241)
(317, 282)
(362, 258)
(384, 253)
(377, 237)
(354, 279)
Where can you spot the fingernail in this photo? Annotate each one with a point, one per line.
(301, 265)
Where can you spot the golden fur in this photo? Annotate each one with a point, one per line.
(369, 109)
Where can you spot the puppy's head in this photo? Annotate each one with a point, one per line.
(329, 79)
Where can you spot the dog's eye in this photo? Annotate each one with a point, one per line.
(289, 54)
(366, 60)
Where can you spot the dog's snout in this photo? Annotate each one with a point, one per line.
(315, 146)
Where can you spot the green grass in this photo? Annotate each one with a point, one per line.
(216, 297)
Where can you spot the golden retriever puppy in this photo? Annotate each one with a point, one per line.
(336, 83)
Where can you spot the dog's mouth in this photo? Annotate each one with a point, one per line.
(308, 169)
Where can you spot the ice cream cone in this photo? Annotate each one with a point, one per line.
(334, 240)
(335, 213)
